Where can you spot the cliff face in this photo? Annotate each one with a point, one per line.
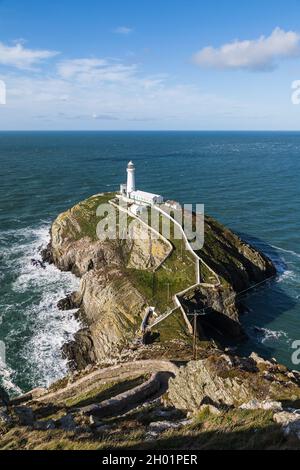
(231, 381)
(110, 305)
(112, 310)
(126, 395)
(239, 266)
(237, 263)
(121, 278)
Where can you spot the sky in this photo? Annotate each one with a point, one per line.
(150, 65)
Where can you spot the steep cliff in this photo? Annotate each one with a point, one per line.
(126, 395)
(120, 279)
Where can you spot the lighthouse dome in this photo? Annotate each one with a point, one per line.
(130, 165)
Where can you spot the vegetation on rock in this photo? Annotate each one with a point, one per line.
(217, 401)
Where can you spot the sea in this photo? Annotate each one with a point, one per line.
(247, 180)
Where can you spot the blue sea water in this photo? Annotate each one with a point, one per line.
(249, 181)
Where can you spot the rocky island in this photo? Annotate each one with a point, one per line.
(143, 373)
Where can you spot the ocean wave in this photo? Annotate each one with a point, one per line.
(6, 374)
(19, 246)
(287, 275)
(30, 312)
(51, 329)
(265, 335)
(290, 252)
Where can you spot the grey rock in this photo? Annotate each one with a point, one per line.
(261, 405)
(161, 426)
(67, 423)
(290, 423)
(259, 360)
(95, 422)
(223, 381)
(44, 425)
(25, 415)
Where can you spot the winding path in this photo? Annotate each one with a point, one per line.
(197, 258)
(161, 371)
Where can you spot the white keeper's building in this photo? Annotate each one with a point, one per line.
(136, 196)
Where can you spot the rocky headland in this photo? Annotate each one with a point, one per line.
(119, 280)
(135, 371)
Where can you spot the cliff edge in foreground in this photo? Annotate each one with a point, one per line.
(128, 394)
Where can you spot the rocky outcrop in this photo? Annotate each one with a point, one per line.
(109, 304)
(239, 266)
(112, 303)
(290, 423)
(222, 310)
(238, 263)
(112, 310)
(231, 381)
(74, 412)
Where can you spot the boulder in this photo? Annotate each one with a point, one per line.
(67, 423)
(69, 303)
(24, 415)
(290, 423)
(261, 405)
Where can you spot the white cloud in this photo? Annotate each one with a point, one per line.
(95, 70)
(79, 95)
(261, 54)
(22, 58)
(123, 30)
(99, 93)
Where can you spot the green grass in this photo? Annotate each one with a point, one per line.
(85, 217)
(235, 429)
(173, 328)
(105, 391)
(176, 274)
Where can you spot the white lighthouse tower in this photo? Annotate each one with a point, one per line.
(130, 178)
(139, 199)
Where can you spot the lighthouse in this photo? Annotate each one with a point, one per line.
(130, 178)
(138, 198)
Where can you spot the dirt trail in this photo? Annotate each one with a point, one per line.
(100, 376)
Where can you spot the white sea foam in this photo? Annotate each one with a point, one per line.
(266, 335)
(52, 329)
(287, 275)
(6, 379)
(41, 288)
(290, 252)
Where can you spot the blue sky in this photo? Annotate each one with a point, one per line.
(149, 64)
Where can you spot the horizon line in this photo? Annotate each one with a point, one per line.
(150, 130)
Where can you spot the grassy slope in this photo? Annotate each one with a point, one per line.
(176, 274)
(236, 429)
(85, 213)
(105, 391)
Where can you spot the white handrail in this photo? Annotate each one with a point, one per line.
(197, 258)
